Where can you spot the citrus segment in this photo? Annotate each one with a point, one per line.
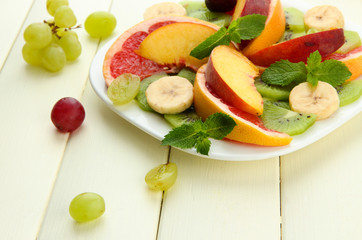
(274, 25)
(249, 128)
(353, 61)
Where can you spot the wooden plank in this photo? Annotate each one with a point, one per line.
(215, 199)
(321, 184)
(31, 149)
(111, 157)
(12, 15)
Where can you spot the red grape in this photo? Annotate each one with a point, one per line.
(220, 5)
(67, 114)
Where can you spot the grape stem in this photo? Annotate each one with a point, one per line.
(54, 27)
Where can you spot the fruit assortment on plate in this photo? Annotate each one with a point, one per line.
(249, 71)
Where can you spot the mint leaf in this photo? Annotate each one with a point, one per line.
(312, 79)
(204, 49)
(184, 136)
(219, 125)
(196, 134)
(331, 71)
(314, 60)
(244, 28)
(203, 144)
(247, 27)
(283, 73)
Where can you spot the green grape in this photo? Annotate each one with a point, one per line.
(53, 58)
(124, 88)
(38, 35)
(71, 46)
(100, 24)
(31, 55)
(86, 207)
(64, 17)
(162, 177)
(53, 5)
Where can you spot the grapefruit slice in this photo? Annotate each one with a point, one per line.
(249, 128)
(352, 59)
(121, 57)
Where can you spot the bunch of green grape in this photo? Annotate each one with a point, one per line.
(50, 44)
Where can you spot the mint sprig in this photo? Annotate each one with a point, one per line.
(283, 72)
(197, 134)
(243, 28)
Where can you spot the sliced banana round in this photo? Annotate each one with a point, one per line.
(321, 100)
(170, 95)
(164, 8)
(323, 18)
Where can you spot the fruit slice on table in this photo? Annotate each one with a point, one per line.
(321, 100)
(172, 44)
(249, 128)
(299, 49)
(121, 58)
(294, 20)
(186, 117)
(323, 18)
(284, 120)
(170, 95)
(349, 92)
(141, 96)
(273, 92)
(164, 9)
(124, 88)
(352, 59)
(274, 25)
(231, 76)
(352, 41)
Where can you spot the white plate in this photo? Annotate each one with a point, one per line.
(157, 127)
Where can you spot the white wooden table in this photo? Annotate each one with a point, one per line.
(314, 193)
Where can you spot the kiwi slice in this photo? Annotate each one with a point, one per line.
(349, 92)
(194, 6)
(220, 19)
(187, 73)
(288, 35)
(287, 121)
(294, 20)
(272, 91)
(279, 103)
(141, 96)
(186, 117)
(352, 41)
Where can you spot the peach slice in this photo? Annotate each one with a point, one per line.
(172, 44)
(274, 25)
(249, 128)
(299, 49)
(231, 76)
(352, 59)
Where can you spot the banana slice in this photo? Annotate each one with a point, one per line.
(321, 100)
(323, 18)
(170, 95)
(164, 8)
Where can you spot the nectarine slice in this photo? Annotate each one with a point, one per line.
(231, 76)
(249, 128)
(172, 44)
(299, 49)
